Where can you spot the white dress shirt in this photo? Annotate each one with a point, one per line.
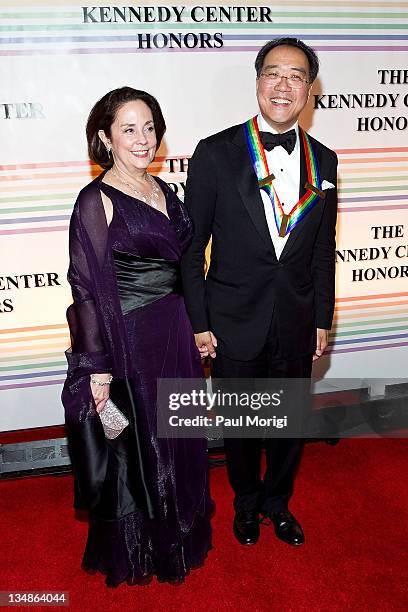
(286, 169)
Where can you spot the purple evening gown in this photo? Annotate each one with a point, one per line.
(161, 345)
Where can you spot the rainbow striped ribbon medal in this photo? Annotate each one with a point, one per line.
(285, 223)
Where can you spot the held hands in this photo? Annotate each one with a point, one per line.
(206, 343)
(321, 343)
(100, 389)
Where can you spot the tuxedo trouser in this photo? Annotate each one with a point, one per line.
(243, 455)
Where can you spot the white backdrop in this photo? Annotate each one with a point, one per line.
(53, 68)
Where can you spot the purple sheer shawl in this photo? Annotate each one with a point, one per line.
(98, 344)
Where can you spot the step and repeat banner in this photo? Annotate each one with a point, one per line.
(58, 58)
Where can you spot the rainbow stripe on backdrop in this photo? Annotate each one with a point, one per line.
(38, 197)
(34, 194)
(45, 29)
(370, 322)
(34, 356)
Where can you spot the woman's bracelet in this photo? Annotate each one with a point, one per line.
(101, 383)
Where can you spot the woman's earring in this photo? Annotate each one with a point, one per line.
(109, 151)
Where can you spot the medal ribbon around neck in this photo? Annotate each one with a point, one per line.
(284, 223)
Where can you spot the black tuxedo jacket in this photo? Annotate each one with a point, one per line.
(246, 283)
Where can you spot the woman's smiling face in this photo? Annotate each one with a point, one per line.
(133, 137)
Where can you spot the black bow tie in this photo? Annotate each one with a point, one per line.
(287, 140)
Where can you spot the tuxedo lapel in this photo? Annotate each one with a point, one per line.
(247, 184)
(294, 234)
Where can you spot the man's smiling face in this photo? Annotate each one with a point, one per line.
(279, 103)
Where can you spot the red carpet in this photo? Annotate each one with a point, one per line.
(351, 500)
(29, 435)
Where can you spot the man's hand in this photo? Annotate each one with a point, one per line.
(322, 342)
(206, 343)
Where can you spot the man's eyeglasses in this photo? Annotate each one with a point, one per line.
(294, 81)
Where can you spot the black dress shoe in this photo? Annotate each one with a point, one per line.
(246, 526)
(332, 441)
(286, 527)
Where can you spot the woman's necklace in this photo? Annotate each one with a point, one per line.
(153, 199)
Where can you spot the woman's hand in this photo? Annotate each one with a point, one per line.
(100, 389)
(206, 343)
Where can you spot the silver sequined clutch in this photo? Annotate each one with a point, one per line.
(113, 420)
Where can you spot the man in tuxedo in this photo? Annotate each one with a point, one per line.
(266, 306)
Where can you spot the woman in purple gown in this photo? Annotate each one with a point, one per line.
(147, 496)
